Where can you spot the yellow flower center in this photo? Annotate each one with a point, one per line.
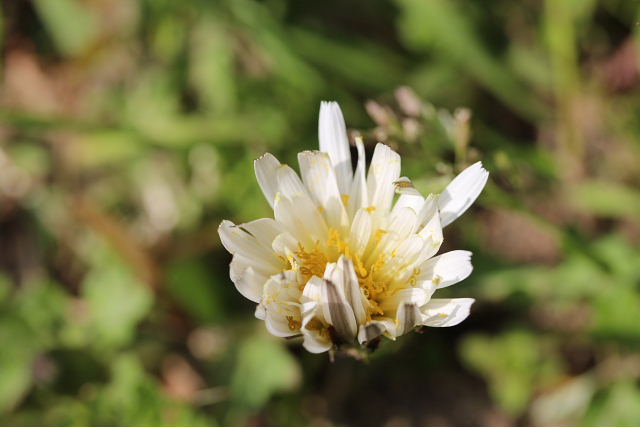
(313, 261)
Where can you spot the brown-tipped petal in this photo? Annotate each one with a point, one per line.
(375, 328)
(338, 312)
(343, 275)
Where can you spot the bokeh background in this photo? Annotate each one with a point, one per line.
(127, 133)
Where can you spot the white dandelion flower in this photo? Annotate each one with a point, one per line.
(341, 263)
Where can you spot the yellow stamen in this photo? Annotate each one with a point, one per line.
(345, 199)
(313, 263)
(370, 209)
(414, 277)
(294, 325)
(379, 233)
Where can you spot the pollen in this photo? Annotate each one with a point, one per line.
(335, 240)
(379, 233)
(294, 325)
(312, 262)
(345, 199)
(370, 209)
(292, 262)
(316, 325)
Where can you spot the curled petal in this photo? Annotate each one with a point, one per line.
(247, 280)
(252, 239)
(412, 296)
(447, 269)
(281, 302)
(261, 312)
(314, 326)
(315, 342)
(446, 312)
(375, 328)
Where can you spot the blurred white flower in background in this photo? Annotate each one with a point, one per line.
(341, 263)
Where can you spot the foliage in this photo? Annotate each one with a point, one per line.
(127, 133)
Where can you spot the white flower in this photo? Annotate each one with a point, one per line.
(341, 262)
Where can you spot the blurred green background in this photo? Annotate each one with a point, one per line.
(127, 133)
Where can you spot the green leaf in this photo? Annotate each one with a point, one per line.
(116, 300)
(506, 362)
(15, 362)
(195, 288)
(441, 26)
(620, 406)
(606, 199)
(264, 367)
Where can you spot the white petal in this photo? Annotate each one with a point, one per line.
(285, 245)
(278, 326)
(312, 291)
(427, 210)
(447, 269)
(403, 222)
(407, 317)
(289, 182)
(301, 218)
(264, 230)
(332, 133)
(246, 280)
(238, 241)
(398, 231)
(281, 301)
(412, 201)
(383, 172)
(314, 342)
(408, 253)
(343, 275)
(358, 194)
(265, 168)
(431, 234)
(361, 229)
(462, 192)
(415, 296)
(260, 312)
(319, 177)
(240, 262)
(312, 300)
(446, 312)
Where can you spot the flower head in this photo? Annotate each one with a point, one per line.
(341, 263)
